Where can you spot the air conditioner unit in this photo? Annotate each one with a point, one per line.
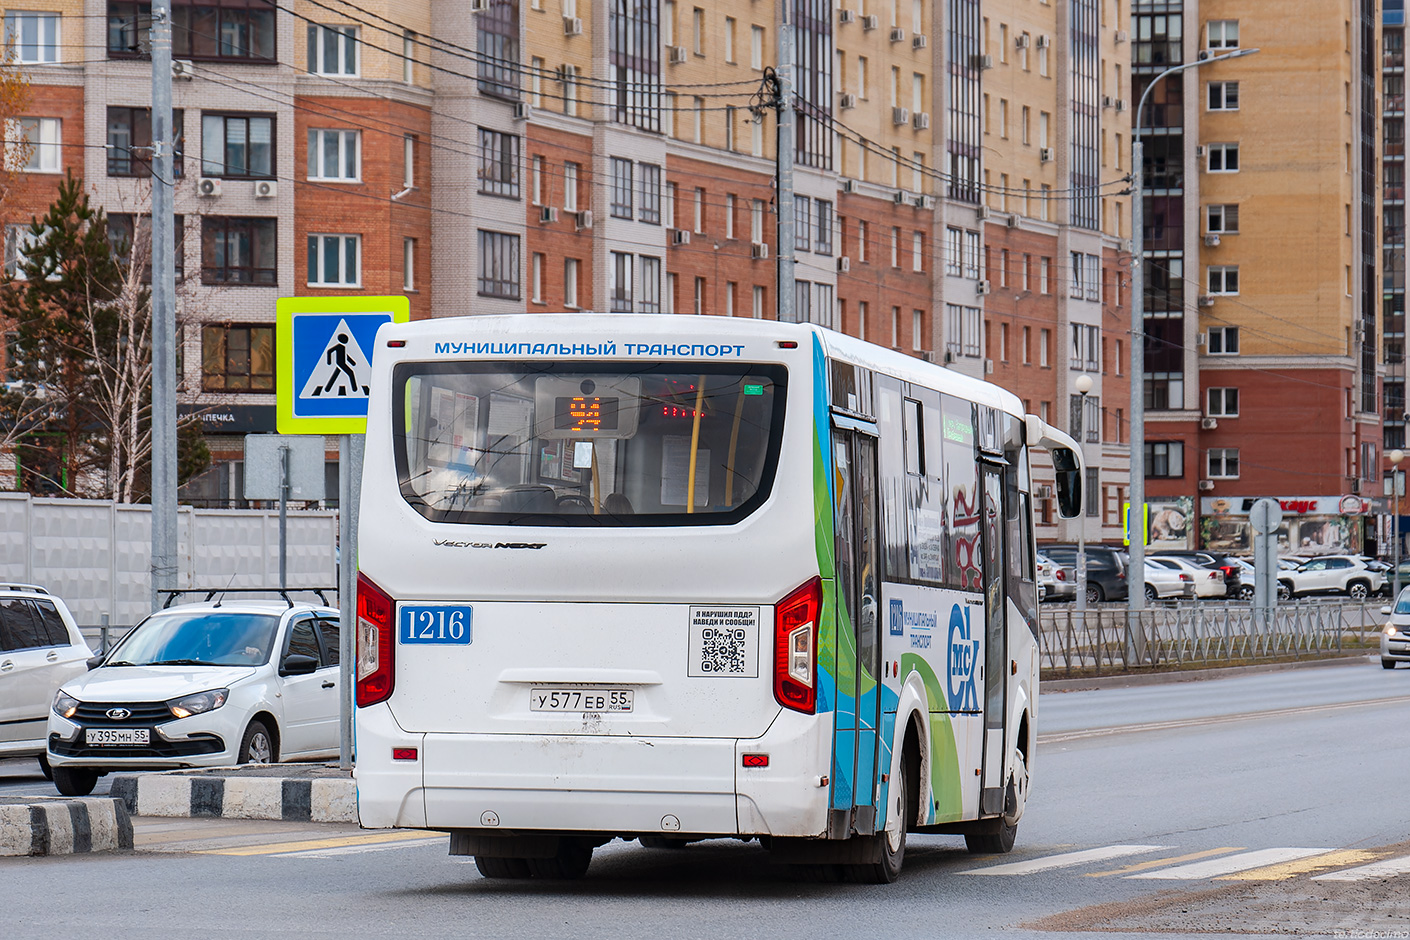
(479, 6)
(1206, 485)
(1043, 491)
(899, 197)
(1201, 339)
(983, 212)
(1013, 221)
(680, 236)
(920, 202)
(900, 116)
(844, 264)
(522, 110)
(1208, 424)
(582, 219)
(548, 214)
(1200, 150)
(988, 366)
(846, 16)
(846, 101)
(849, 186)
(918, 41)
(1120, 104)
(898, 34)
(870, 22)
(759, 251)
(1211, 240)
(677, 54)
(926, 202)
(572, 26)
(1108, 101)
(208, 187)
(266, 189)
(949, 356)
(921, 121)
(1022, 41)
(927, 355)
(981, 62)
(1122, 35)
(1355, 486)
(981, 287)
(183, 68)
(1205, 300)
(1045, 154)
(1044, 42)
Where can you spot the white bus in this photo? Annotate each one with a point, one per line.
(678, 578)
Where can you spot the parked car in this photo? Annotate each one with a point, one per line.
(1163, 582)
(1332, 574)
(1248, 579)
(202, 685)
(1209, 582)
(1054, 581)
(1230, 565)
(1106, 569)
(40, 649)
(1395, 637)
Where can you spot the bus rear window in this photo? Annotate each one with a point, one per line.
(574, 444)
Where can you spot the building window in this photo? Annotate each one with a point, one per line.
(1223, 279)
(802, 223)
(570, 282)
(32, 37)
(570, 187)
(334, 261)
(536, 278)
(621, 205)
(1223, 34)
(332, 50)
(122, 236)
(1164, 390)
(130, 141)
(1223, 403)
(499, 265)
(536, 70)
(499, 164)
(1223, 96)
(649, 209)
(756, 48)
(619, 285)
(700, 298)
(1086, 347)
(699, 210)
(917, 334)
(1165, 459)
(918, 251)
(756, 221)
(239, 250)
(757, 304)
(1223, 158)
(1222, 219)
(229, 29)
(20, 241)
(497, 42)
(730, 205)
(954, 251)
(237, 358)
(237, 146)
(1223, 463)
(1044, 342)
(1223, 341)
(335, 155)
(408, 56)
(634, 54)
(971, 255)
(408, 264)
(822, 227)
(42, 137)
(650, 295)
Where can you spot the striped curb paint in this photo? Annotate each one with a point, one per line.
(292, 799)
(64, 827)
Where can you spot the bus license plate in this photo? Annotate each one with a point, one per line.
(580, 700)
(117, 736)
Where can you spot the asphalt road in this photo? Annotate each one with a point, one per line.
(1203, 806)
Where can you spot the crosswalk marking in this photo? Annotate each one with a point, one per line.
(1162, 862)
(1304, 865)
(1244, 861)
(285, 847)
(358, 849)
(1065, 860)
(1383, 869)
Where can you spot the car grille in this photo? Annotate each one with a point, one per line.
(197, 745)
(142, 714)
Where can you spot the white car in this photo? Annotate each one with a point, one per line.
(1333, 574)
(1209, 582)
(40, 649)
(1395, 638)
(202, 685)
(1164, 582)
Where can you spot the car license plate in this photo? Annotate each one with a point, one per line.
(580, 700)
(117, 736)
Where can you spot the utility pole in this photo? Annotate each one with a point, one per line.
(783, 159)
(164, 564)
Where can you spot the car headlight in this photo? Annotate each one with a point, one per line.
(196, 704)
(65, 705)
(1390, 630)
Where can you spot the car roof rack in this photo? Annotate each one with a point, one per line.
(218, 594)
(16, 586)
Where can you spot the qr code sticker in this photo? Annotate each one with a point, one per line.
(724, 642)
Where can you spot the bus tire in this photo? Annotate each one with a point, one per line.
(889, 844)
(502, 867)
(661, 842)
(991, 837)
(572, 861)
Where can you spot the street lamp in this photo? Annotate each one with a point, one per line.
(1137, 499)
(1397, 483)
(1083, 385)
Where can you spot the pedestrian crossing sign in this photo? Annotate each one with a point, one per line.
(323, 352)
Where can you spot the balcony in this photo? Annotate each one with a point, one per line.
(1393, 105)
(1393, 193)
(1393, 60)
(1394, 234)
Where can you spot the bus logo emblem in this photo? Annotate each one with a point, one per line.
(896, 617)
(964, 656)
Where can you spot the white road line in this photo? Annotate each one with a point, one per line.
(1065, 860)
(1230, 863)
(1382, 869)
(360, 849)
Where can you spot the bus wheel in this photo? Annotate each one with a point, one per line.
(992, 837)
(502, 867)
(890, 843)
(572, 861)
(661, 842)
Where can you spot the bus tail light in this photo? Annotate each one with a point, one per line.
(796, 647)
(375, 643)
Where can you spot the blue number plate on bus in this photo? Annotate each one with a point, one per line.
(434, 624)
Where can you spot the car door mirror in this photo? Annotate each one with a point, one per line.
(1385, 611)
(297, 664)
(95, 661)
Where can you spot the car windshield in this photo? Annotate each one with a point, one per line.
(198, 638)
(1402, 603)
(580, 444)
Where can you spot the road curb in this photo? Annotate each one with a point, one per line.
(64, 827)
(292, 799)
(1125, 681)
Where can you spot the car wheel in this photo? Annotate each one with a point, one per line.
(75, 781)
(1246, 592)
(44, 767)
(502, 867)
(1358, 591)
(1284, 591)
(257, 747)
(1387, 664)
(1094, 594)
(1151, 595)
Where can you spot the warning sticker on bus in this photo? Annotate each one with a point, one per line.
(724, 642)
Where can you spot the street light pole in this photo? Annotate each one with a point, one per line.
(1136, 537)
(1397, 483)
(1084, 386)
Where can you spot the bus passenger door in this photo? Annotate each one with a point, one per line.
(991, 797)
(856, 741)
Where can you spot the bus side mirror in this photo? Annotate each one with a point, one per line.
(1068, 471)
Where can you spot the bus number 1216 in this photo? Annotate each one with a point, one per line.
(435, 624)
